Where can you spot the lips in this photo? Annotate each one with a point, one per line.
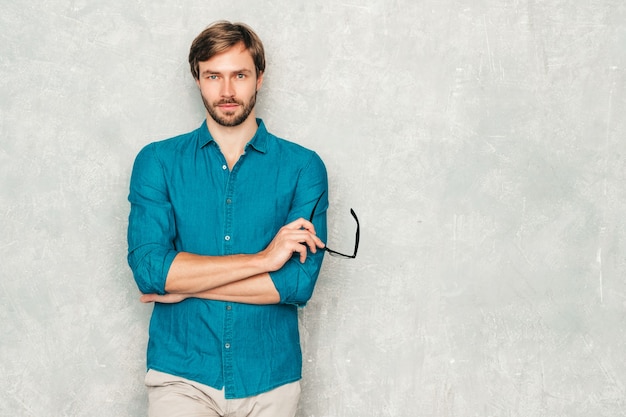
(228, 106)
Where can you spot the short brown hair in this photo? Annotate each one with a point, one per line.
(221, 36)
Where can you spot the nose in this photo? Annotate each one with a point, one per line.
(227, 88)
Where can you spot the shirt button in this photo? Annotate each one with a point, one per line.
(224, 167)
(228, 201)
(227, 345)
(229, 308)
(227, 238)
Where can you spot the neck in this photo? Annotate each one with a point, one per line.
(232, 140)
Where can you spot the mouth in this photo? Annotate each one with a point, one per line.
(228, 106)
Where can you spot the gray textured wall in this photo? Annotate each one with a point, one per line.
(480, 142)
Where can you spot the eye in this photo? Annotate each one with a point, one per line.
(241, 76)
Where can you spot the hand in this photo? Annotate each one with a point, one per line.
(166, 299)
(294, 237)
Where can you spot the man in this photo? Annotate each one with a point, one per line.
(220, 240)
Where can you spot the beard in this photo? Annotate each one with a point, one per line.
(230, 119)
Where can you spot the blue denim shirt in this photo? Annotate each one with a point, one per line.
(184, 198)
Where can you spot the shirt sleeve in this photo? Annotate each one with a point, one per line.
(151, 225)
(295, 281)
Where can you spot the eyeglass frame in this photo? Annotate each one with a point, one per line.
(356, 239)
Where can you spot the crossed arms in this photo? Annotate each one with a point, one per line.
(237, 278)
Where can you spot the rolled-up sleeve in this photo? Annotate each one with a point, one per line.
(151, 225)
(295, 281)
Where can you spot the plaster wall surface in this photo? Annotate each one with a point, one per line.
(482, 144)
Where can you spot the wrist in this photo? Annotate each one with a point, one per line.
(264, 262)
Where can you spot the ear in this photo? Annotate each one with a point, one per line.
(197, 82)
(259, 81)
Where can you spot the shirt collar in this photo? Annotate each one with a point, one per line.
(258, 141)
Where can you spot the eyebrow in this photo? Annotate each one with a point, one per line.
(212, 72)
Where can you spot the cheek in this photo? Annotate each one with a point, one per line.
(207, 91)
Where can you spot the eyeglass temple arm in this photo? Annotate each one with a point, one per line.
(316, 204)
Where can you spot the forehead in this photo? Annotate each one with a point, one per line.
(235, 58)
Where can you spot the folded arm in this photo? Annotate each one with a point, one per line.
(241, 278)
(258, 289)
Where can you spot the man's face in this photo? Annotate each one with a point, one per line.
(228, 84)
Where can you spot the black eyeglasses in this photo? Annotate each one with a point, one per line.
(356, 240)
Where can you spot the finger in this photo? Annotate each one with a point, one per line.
(318, 242)
(302, 251)
(148, 298)
(314, 242)
(302, 223)
(305, 239)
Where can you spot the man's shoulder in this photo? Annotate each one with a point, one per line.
(294, 155)
(181, 140)
(288, 146)
(172, 146)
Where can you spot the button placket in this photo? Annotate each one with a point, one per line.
(227, 351)
(229, 376)
(228, 211)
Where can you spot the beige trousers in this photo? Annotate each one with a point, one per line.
(172, 396)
